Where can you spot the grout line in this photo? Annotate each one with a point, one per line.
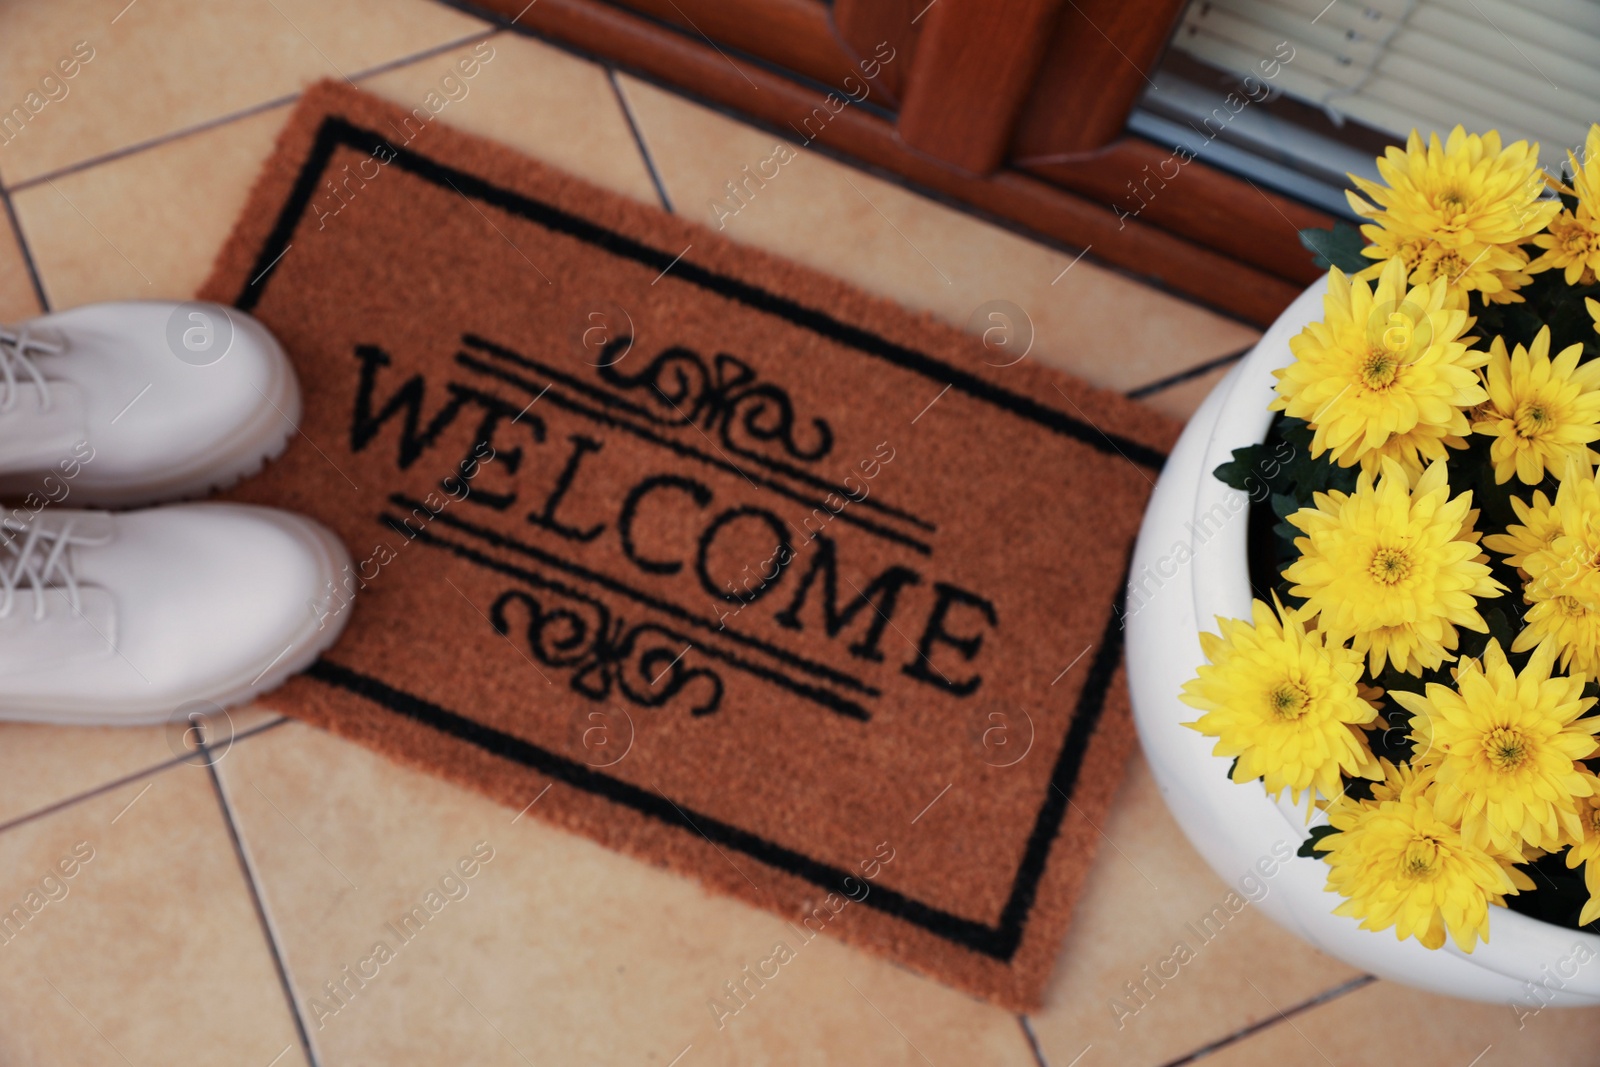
(281, 720)
(1306, 1005)
(1185, 375)
(1033, 1040)
(638, 139)
(1018, 229)
(27, 253)
(267, 929)
(128, 779)
(235, 116)
(99, 790)
(153, 142)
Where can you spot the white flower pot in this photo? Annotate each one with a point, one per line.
(1189, 567)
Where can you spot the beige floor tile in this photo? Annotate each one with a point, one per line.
(1388, 1023)
(1181, 400)
(148, 225)
(556, 950)
(41, 766)
(17, 299)
(157, 66)
(537, 100)
(1149, 890)
(151, 952)
(44, 765)
(1111, 330)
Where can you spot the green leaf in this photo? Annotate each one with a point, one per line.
(1338, 247)
(1239, 472)
(1308, 846)
(1500, 627)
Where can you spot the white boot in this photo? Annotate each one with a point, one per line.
(122, 404)
(128, 618)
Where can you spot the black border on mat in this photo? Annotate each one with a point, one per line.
(335, 132)
(999, 941)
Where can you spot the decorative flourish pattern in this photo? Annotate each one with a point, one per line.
(725, 398)
(644, 663)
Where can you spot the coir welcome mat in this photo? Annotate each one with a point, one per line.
(716, 560)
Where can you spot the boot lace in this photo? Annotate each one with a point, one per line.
(17, 349)
(38, 557)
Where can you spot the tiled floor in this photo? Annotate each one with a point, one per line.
(223, 891)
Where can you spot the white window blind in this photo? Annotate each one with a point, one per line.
(1530, 70)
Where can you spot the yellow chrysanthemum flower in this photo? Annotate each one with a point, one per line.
(1554, 547)
(1398, 863)
(1401, 781)
(1458, 211)
(1540, 526)
(1505, 749)
(1570, 565)
(1394, 569)
(1494, 272)
(1586, 174)
(1586, 850)
(1574, 628)
(1384, 374)
(1573, 243)
(1541, 412)
(1284, 702)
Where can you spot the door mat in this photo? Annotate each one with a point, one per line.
(718, 561)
